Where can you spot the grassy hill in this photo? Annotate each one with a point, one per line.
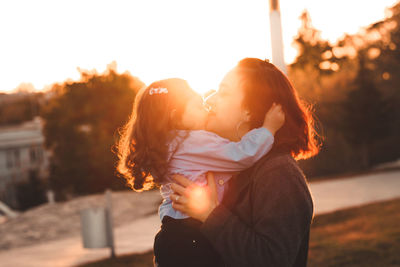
(364, 236)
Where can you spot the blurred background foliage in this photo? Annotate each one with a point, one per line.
(354, 88)
(352, 85)
(82, 122)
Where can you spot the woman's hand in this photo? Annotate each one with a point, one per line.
(194, 200)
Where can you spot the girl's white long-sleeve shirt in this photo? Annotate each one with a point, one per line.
(194, 153)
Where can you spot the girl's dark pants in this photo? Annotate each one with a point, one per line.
(180, 243)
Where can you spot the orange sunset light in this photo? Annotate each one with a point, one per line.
(44, 42)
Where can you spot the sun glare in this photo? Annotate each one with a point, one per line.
(199, 198)
(198, 41)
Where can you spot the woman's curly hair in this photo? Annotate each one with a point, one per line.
(143, 144)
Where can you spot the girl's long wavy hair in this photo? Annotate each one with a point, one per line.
(143, 144)
(263, 84)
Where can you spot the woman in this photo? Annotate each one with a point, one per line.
(265, 216)
(166, 135)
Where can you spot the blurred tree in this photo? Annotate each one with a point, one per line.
(321, 76)
(347, 98)
(383, 42)
(313, 50)
(367, 114)
(17, 108)
(316, 59)
(81, 125)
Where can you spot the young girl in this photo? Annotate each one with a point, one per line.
(164, 136)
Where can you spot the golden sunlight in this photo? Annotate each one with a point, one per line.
(199, 198)
(154, 39)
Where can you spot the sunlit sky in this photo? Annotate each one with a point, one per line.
(43, 42)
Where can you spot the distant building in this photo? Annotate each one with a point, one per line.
(22, 158)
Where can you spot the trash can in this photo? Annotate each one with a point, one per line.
(94, 227)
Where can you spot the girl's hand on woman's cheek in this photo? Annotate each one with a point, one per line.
(274, 119)
(195, 201)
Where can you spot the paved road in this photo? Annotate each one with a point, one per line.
(350, 192)
(138, 237)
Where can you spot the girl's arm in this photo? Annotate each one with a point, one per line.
(203, 150)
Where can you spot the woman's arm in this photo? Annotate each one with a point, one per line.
(281, 217)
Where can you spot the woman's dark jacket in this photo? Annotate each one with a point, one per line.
(265, 216)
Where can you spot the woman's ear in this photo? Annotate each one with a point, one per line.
(246, 116)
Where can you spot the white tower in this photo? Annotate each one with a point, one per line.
(276, 35)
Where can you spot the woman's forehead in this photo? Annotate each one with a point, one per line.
(231, 76)
(230, 83)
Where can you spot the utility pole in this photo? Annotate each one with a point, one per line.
(276, 35)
